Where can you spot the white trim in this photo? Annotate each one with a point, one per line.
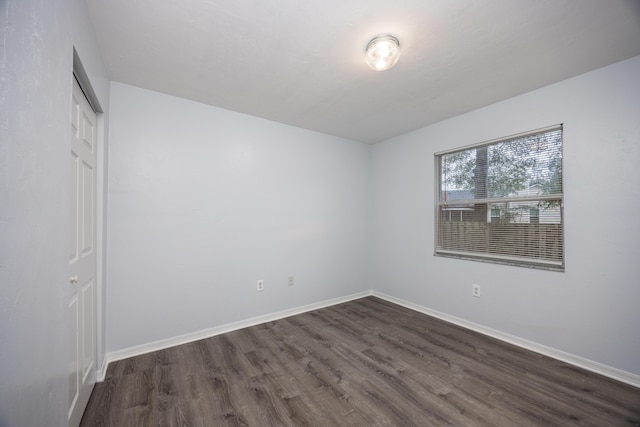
(217, 330)
(559, 126)
(514, 260)
(83, 80)
(100, 201)
(581, 362)
(101, 372)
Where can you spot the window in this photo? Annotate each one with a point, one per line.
(501, 201)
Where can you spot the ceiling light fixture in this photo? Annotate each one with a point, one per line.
(383, 52)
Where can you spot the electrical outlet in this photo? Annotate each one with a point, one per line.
(475, 290)
(260, 286)
(290, 280)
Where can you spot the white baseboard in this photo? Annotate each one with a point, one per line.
(581, 362)
(102, 371)
(217, 330)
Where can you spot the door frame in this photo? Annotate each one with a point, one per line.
(82, 77)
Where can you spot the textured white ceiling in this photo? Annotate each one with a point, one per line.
(301, 62)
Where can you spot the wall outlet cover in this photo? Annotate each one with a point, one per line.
(475, 290)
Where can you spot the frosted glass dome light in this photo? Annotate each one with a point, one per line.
(383, 52)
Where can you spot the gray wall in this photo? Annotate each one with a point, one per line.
(203, 202)
(36, 64)
(590, 310)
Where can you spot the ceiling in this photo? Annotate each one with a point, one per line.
(301, 62)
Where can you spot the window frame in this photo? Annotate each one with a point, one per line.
(489, 257)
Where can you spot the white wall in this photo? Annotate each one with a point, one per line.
(590, 310)
(205, 201)
(35, 110)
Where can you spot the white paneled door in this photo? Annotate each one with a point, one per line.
(82, 256)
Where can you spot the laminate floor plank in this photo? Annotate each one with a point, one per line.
(366, 362)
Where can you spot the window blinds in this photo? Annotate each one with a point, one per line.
(502, 200)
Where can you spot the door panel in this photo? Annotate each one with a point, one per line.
(82, 257)
(74, 377)
(88, 214)
(88, 326)
(73, 234)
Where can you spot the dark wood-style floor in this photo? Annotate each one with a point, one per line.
(363, 363)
